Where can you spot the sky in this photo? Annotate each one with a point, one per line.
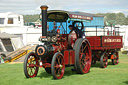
(89, 6)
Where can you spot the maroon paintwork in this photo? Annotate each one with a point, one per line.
(80, 17)
(69, 57)
(105, 42)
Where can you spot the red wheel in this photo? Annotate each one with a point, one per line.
(58, 66)
(104, 60)
(31, 65)
(82, 56)
(115, 59)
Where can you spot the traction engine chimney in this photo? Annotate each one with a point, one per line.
(44, 20)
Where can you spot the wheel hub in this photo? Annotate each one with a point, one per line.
(61, 66)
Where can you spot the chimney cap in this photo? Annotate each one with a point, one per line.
(44, 7)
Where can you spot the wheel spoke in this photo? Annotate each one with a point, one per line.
(30, 59)
(62, 60)
(56, 66)
(84, 48)
(28, 69)
(85, 68)
(87, 57)
(82, 63)
(55, 70)
(104, 59)
(34, 68)
(58, 59)
(58, 72)
(80, 56)
(31, 71)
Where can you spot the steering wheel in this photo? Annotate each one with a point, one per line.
(75, 23)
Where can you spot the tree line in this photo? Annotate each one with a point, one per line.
(109, 18)
(31, 18)
(114, 18)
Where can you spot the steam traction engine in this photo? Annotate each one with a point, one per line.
(59, 50)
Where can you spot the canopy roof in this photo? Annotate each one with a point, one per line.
(60, 15)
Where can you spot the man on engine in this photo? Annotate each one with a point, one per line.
(78, 31)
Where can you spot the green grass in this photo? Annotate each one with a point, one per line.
(12, 74)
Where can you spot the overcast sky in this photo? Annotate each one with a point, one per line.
(90, 6)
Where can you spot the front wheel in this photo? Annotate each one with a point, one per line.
(57, 66)
(31, 65)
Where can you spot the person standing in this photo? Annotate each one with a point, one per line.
(78, 31)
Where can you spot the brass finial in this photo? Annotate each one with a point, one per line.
(44, 7)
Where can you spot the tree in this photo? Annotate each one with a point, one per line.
(120, 19)
(31, 18)
(126, 21)
(110, 18)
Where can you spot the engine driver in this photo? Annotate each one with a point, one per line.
(79, 32)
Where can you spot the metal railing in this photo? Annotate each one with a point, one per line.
(106, 31)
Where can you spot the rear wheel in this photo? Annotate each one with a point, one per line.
(31, 65)
(115, 59)
(82, 56)
(104, 60)
(57, 66)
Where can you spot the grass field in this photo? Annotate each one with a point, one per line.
(12, 74)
